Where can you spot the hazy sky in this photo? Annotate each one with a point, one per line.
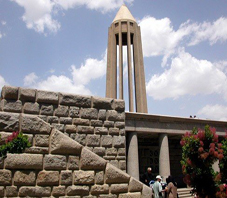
(60, 45)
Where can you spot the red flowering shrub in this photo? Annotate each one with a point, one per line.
(200, 149)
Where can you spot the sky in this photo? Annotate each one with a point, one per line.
(60, 45)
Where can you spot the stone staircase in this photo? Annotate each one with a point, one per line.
(184, 193)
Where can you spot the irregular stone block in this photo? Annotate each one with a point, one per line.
(62, 111)
(48, 178)
(91, 161)
(130, 195)
(24, 161)
(89, 113)
(80, 138)
(108, 196)
(135, 185)
(55, 162)
(58, 191)
(108, 123)
(119, 141)
(77, 190)
(52, 119)
(11, 191)
(113, 131)
(75, 100)
(43, 117)
(35, 191)
(85, 129)
(102, 103)
(79, 121)
(118, 105)
(37, 150)
(47, 97)
(47, 109)
(113, 115)
(12, 106)
(61, 144)
(27, 95)
(73, 162)
(5, 177)
(84, 177)
(99, 151)
(24, 178)
(119, 188)
(114, 163)
(111, 151)
(97, 123)
(99, 177)
(146, 192)
(122, 164)
(122, 132)
(121, 151)
(102, 114)
(9, 121)
(65, 120)
(34, 124)
(120, 125)
(74, 112)
(42, 140)
(9, 92)
(100, 189)
(115, 175)
(31, 108)
(101, 130)
(93, 140)
(70, 129)
(4, 137)
(66, 178)
(59, 127)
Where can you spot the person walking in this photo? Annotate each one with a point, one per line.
(171, 188)
(157, 187)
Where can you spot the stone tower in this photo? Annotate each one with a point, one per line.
(124, 31)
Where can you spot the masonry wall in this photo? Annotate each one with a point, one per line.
(58, 166)
(94, 122)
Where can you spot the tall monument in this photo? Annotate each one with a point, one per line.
(124, 31)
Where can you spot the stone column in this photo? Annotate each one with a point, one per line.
(133, 157)
(120, 64)
(130, 83)
(164, 163)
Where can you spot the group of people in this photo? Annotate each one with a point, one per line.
(169, 190)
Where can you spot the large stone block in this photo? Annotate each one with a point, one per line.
(85, 129)
(9, 121)
(61, 144)
(91, 161)
(74, 112)
(84, 177)
(114, 131)
(102, 103)
(9, 92)
(120, 125)
(42, 140)
(80, 138)
(108, 196)
(73, 162)
(135, 185)
(36, 191)
(5, 177)
(47, 97)
(24, 178)
(89, 113)
(118, 105)
(101, 130)
(47, 109)
(130, 195)
(66, 178)
(58, 191)
(12, 105)
(100, 189)
(27, 95)
(59, 127)
(33, 124)
(11, 191)
(119, 141)
(99, 177)
(37, 150)
(115, 175)
(102, 114)
(24, 161)
(119, 188)
(64, 120)
(77, 190)
(62, 111)
(99, 151)
(54, 162)
(96, 123)
(113, 115)
(111, 151)
(108, 123)
(48, 178)
(75, 100)
(31, 108)
(70, 129)
(93, 140)
(79, 121)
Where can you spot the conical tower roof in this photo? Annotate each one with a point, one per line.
(124, 14)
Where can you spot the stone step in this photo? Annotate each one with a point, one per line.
(184, 193)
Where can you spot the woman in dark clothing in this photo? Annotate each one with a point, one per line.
(171, 188)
